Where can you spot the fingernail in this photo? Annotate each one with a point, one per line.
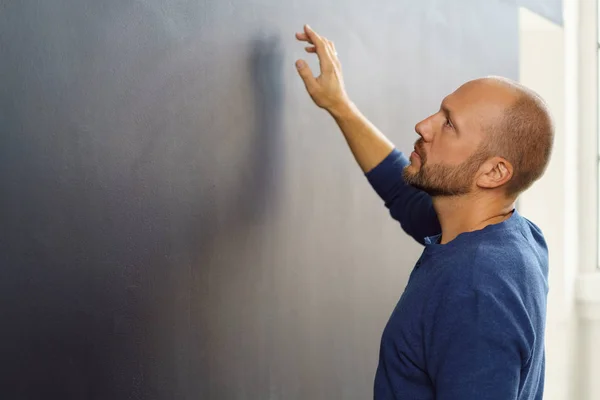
(299, 64)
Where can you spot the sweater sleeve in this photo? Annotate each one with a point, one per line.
(412, 207)
(478, 343)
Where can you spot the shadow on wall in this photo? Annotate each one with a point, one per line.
(267, 77)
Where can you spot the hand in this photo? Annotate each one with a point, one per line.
(327, 90)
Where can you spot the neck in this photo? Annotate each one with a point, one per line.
(471, 212)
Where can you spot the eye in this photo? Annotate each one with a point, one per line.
(448, 123)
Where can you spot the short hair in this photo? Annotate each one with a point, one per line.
(524, 136)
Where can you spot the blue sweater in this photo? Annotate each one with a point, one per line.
(470, 323)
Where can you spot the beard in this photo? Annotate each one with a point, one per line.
(445, 180)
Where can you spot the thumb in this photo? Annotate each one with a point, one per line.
(306, 74)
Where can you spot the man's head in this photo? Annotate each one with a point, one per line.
(491, 134)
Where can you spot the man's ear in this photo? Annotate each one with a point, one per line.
(494, 172)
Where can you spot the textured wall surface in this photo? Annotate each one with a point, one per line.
(179, 221)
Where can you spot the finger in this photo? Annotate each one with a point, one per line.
(332, 46)
(321, 49)
(303, 37)
(307, 76)
(311, 49)
(334, 54)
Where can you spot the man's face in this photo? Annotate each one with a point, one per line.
(448, 155)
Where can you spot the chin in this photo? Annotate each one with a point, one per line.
(409, 173)
(411, 169)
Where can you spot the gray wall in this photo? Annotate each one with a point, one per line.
(179, 221)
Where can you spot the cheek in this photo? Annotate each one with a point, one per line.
(450, 151)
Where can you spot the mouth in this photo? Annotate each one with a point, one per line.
(416, 152)
(415, 155)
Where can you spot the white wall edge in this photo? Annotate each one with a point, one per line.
(588, 288)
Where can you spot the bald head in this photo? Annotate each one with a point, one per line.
(523, 133)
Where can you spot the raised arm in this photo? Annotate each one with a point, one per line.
(374, 153)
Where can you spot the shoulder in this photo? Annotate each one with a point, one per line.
(514, 256)
(503, 265)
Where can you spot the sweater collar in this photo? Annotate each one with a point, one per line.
(435, 239)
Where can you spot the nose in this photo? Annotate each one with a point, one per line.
(424, 130)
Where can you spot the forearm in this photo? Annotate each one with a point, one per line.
(368, 145)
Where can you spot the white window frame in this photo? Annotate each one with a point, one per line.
(588, 281)
(565, 202)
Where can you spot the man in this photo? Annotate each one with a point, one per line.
(470, 323)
